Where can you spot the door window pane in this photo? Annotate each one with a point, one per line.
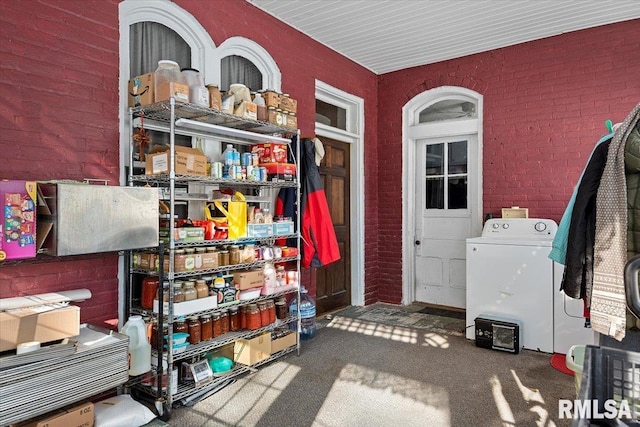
(450, 109)
(331, 115)
(434, 193)
(446, 175)
(457, 193)
(435, 159)
(457, 157)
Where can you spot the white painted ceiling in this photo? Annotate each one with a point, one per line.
(390, 35)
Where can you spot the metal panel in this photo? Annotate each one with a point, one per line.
(94, 218)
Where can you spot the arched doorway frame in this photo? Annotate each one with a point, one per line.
(410, 118)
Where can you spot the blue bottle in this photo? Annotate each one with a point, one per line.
(307, 314)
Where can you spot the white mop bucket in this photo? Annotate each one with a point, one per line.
(575, 362)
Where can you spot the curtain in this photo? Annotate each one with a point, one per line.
(236, 69)
(150, 42)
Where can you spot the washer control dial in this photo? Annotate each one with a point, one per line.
(540, 226)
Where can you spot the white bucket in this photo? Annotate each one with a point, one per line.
(139, 347)
(575, 362)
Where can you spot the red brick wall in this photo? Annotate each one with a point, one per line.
(59, 120)
(545, 105)
(59, 71)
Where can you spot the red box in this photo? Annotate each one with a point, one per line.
(280, 171)
(270, 152)
(18, 226)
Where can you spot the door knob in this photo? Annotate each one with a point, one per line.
(417, 242)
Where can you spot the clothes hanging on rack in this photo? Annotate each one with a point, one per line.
(608, 301)
(319, 242)
(559, 246)
(578, 272)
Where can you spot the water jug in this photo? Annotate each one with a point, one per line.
(307, 314)
(139, 347)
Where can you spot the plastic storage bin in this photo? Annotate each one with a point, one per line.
(575, 361)
(609, 373)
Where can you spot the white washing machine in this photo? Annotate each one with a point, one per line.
(510, 276)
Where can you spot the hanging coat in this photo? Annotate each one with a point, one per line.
(319, 242)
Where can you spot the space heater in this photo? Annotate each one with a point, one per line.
(498, 334)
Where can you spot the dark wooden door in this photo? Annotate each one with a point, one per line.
(333, 282)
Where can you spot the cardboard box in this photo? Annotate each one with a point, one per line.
(188, 307)
(141, 90)
(515, 212)
(248, 279)
(179, 91)
(189, 161)
(145, 261)
(183, 234)
(286, 341)
(280, 171)
(44, 323)
(79, 415)
(271, 99)
(282, 228)
(259, 230)
(18, 219)
(250, 352)
(270, 152)
(288, 104)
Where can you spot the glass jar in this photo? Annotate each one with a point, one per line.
(202, 290)
(224, 322)
(234, 254)
(253, 317)
(165, 292)
(206, 324)
(178, 295)
(217, 325)
(234, 319)
(215, 97)
(243, 317)
(223, 258)
(271, 309)
(282, 311)
(195, 330)
(180, 326)
(149, 291)
(264, 313)
(189, 289)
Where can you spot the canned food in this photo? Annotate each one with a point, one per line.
(216, 170)
(246, 159)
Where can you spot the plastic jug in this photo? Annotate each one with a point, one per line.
(198, 92)
(307, 314)
(139, 347)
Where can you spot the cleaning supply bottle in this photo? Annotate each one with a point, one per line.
(307, 314)
(139, 347)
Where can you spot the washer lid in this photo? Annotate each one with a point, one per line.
(492, 240)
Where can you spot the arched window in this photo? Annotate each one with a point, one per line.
(236, 69)
(149, 42)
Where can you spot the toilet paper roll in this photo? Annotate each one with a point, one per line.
(27, 347)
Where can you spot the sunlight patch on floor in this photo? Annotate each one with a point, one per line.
(257, 396)
(378, 330)
(414, 403)
(432, 339)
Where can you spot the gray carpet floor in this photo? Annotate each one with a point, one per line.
(386, 365)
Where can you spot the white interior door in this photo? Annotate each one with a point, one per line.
(445, 180)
